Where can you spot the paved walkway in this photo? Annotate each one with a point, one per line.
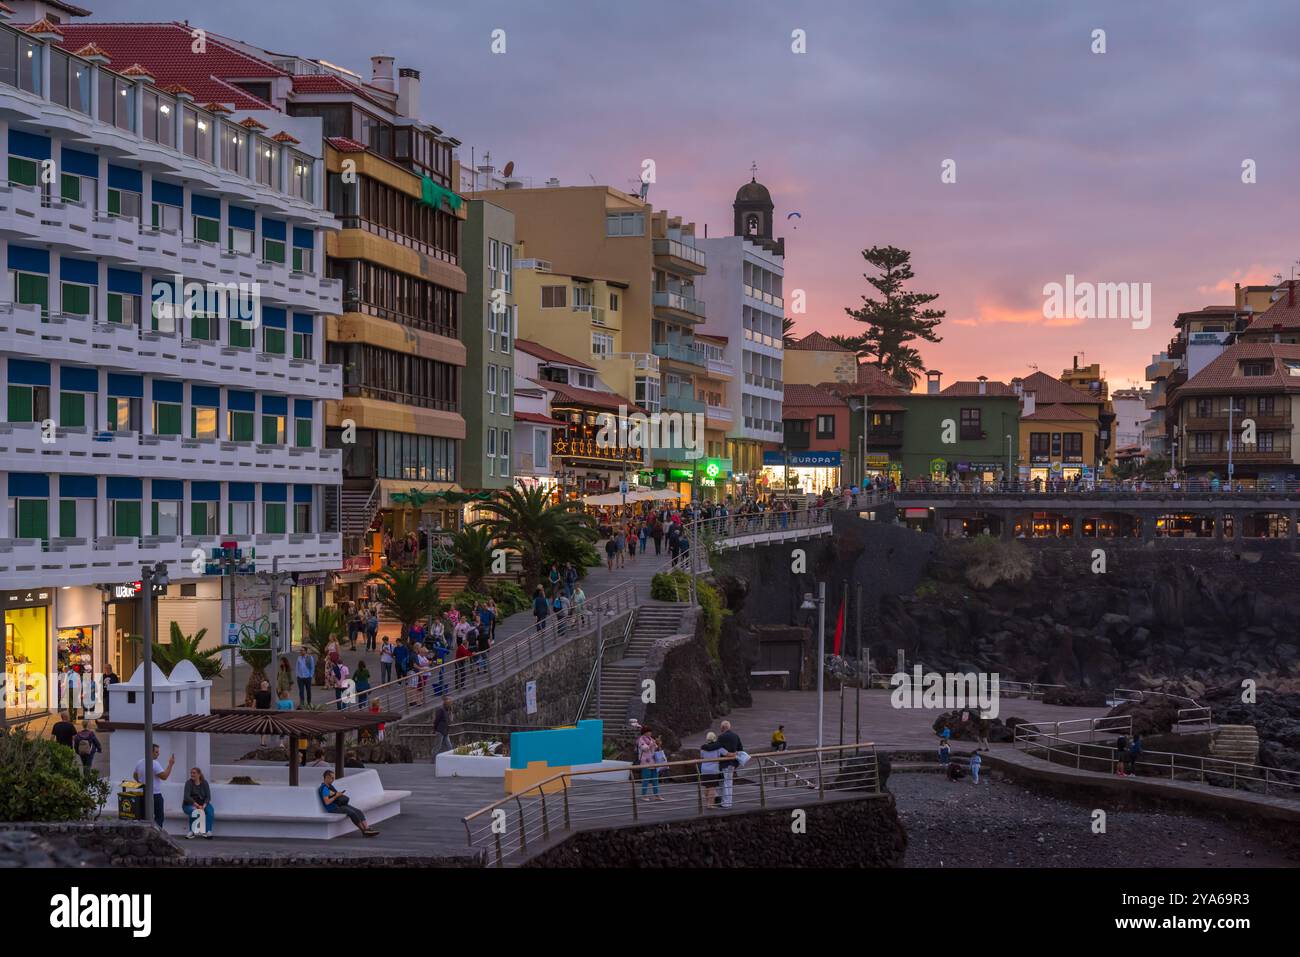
(890, 728)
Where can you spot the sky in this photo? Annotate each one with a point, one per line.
(1124, 166)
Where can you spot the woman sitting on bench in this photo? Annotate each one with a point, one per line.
(336, 802)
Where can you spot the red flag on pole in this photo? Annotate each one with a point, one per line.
(839, 628)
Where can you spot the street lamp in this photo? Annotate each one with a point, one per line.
(809, 603)
(1008, 481)
(157, 575)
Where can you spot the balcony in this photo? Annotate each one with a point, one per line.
(646, 362)
(679, 306)
(753, 292)
(692, 354)
(1218, 421)
(677, 256)
(27, 563)
(764, 382)
(884, 438)
(721, 368)
(719, 416)
(673, 402)
(87, 341)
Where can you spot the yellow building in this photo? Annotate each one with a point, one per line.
(1060, 431)
(815, 359)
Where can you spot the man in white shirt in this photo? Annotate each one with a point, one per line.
(159, 774)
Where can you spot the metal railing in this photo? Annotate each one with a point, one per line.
(593, 680)
(422, 687)
(513, 828)
(1062, 747)
(1105, 489)
(1194, 714)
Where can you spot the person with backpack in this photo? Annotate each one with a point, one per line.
(372, 630)
(401, 658)
(86, 745)
(560, 607)
(1134, 754)
(542, 608)
(611, 550)
(945, 753)
(657, 533)
(1121, 754)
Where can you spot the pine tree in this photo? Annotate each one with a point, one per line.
(896, 320)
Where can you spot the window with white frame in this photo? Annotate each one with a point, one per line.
(541, 449)
(509, 326)
(492, 328)
(492, 451)
(505, 453)
(504, 390)
(507, 268)
(602, 344)
(492, 388)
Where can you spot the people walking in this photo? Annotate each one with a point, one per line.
(372, 629)
(305, 670)
(263, 700)
(611, 551)
(710, 773)
(945, 753)
(86, 745)
(541, 607)
(386, 662)
(442, 728)
(1134, 753)
(1121, 754)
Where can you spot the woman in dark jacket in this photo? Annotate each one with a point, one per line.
(198, 797)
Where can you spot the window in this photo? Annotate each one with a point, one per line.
(20, 63)
(268, 164)
(503, 390)
(584, 380)
(541, 449)
(1265, 404)
(29, 288)
(613, 302)
(116, 100)
(166, 216)
(273, 518)
(302, 433)
(82, 190)
(509, 322)
(492, 328)
(1039, 446)
(554, 297)
(1264, 442)
(581, 297)
(203, 422)
(971, 424)
(492, 388)
(505, 453)
(1204, 408)
(302, 348)
(625, 224)
(159, 119)
(273, 251)
(240, 516)
(602, 344)
(125, 203)
(78, 299)
(493, 253)
(373, 372)
(507, 268)
(492, 451)
(239, 240)
(1257, 367)
(124, 516)
(300, 176)
(31, 517)
(197, 135)
(234, 151)
(167, 418)
(302, 259)
(167, 518)
(1204, 442)
(239, 426)
(76, 409)
(123, 414)
(241, 334)
(69, 80)
(29, 403)
(647, 393)
(207, 230)
(273, 429)
(123, 308)
(76, 514)
(1072, 447)
(825, 426)
(24, 172)
(205, 327)
(302, 517)
(273, 341)
(203, 518)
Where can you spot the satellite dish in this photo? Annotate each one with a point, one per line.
(510, 168)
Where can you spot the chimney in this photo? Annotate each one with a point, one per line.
(408, 92)
(381, 73)
(984, 385)
(1076, 363)
(932, 378)
(1027, 404)
(1237, 300)
(1018, 385)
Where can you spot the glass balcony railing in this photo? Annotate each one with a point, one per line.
(674, 402)
(672, 350)
(679, 250)
(672, 300)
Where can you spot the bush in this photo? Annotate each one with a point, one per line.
(675, 586)
(990, 562)
(41, 780)
(510, 598)
(464, 601)
(711, 606)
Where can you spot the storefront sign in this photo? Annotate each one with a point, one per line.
(304, 580)
(679, 475)
(877, 460)
(817, 460)
(530, 697)
(21, 599)
(579, 442)
(130, 590)
(938, 466)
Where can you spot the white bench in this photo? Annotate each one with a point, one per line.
(271, 808)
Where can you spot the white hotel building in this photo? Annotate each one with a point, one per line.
(128, 437)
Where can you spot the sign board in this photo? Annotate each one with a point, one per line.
(530, 697)
(819, 460)
(232, 634)
(622, 486)
(126, 591)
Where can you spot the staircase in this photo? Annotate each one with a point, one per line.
(358, 508)
(1236, 742)
(619, 679)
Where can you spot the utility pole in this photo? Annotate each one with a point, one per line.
(857, 617)
(230, 564)
(148, 577)
(1232, 405)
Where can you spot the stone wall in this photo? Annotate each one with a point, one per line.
(690, 689)
(849, 833)
(108, 843)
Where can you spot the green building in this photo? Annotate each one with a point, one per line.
(487, 394)
(972, 437)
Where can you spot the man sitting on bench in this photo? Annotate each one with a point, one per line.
(336, 802)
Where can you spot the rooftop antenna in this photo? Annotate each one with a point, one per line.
(753, 172)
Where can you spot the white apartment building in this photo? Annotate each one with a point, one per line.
(132, 433)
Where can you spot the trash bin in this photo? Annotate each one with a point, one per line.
(130, 802)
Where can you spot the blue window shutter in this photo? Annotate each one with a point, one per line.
(27, 372)
(304, 238)
(273, 229)
(240, 492)
(302, 408)
(29, 485)
(208, 396)
(302, 494)
(83, 164)
(78, 379)
(121, 177)
(274, 492)
(208, 206)
(29, 145)
(78, 486)
(165, 390)
(169, 193)
(273, 317)
(126, 386)
(79, 270)
(238, 401)
(205, 491)
(29, 260)
(275, 405)
(125, 281)
(167, 489)
(303, 322)
(242, 218)
(122, 487)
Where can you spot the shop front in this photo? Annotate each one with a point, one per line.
(304, 601)
(590, 460)
(801, 473)
(881, 468)
(27, 620)
(78, 634)
(125, 617)
(713, 478)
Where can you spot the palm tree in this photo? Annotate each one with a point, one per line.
(183, 647)
(329, 624)
(472, 547)
(405, 597)
(528, 520)
(256, 653)
(787, 331)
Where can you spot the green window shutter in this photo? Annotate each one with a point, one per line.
(297, 259)
(199, 327)
(126, 518)
(274, 524)
(34, 518)
(114, 307)
(70, 187)
(301, 345)
(198, 518)
(240, 333)
(168, 415)
(273, 341)
(114, 202)
(76, 299)
(23, 171)
(241, 427)
(273, 250)
(270, 429)
(34, 288)
(207, 230)
(68, 518)
(302, 433)
(112, 412)
(72, 409)
(20, 403)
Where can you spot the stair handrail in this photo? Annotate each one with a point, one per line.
(593, 679)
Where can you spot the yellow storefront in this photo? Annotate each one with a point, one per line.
(26, 653)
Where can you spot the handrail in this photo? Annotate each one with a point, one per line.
(505, 828)
(593, 678)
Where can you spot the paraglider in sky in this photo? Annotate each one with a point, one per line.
(793, 215)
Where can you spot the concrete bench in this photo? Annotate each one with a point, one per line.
(271, 808)
(769, 680)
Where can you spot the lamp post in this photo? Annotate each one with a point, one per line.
(809, 603)
(148, 578)
(1008, 481)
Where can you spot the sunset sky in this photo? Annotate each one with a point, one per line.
(1117, 167)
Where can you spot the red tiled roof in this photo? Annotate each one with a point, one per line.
(217, 108)
(537, 419)
(90, 51)
(964, 388)
(331, 83)
(798, 395)
(5, 8)
(1278, 314)
(1222, 374)
(345, 144)
(249, 123)
(1056, 412)
(165, 49)
(135, 69)
(587, 397)
(816, 342)
(283, 137)
(178, 89)
(1048, 390)
(42, 26)
(539, 351)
